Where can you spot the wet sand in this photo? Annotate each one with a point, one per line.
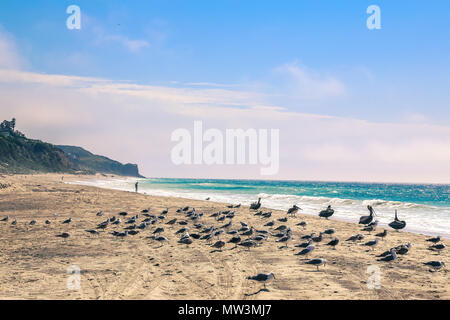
(34, 262)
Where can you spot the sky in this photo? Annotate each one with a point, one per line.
(351, 104)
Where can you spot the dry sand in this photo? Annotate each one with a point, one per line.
(34, 262)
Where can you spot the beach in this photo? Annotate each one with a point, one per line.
(34, 263)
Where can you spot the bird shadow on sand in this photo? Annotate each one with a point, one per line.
(255, 293)
(215, 250)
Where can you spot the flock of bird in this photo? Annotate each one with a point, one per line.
(191, 227)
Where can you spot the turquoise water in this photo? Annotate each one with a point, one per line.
(426, 208)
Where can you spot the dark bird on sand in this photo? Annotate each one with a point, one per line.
(123, 213)
(63, 235)
(435, 239)
(293, 210)
(283, 219)
(93, 232)
(256, 205)
(219, 244)
(333, 243)
(182, 230)
(328, 212)
(382, 234)
(186, 240)
(14, 222)
(269, 224)
(318, 238)
(305, 251)
(303, 244)
(248, 244)
(67, 221)
(329, 232)
(47, 222)
(235, 239)
(281, 228)
(133, 232)
(371, 243)
(390, 257)
(356, 237)
(172, 221)
(32, 222)
(5, 219)
(99, 214)
(367, 219)
(317, 262)
(195, 236)
(302, 224)
(182, 223)
(262, 278)
(158, 230)
(436, 265)
(437, 247)
(397, 224)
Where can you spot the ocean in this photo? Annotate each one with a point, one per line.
(424, 207)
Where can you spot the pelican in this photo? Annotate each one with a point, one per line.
(367, 219)
(397, 224)
(328, 212)
(263, 278)
(256, 205)
(292, 211)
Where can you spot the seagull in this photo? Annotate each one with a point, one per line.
(32, 222)
(318, 238)
(304, 244)
(47, 222)
(302, 224)
(281, 228)
(269, 224)
(5, 219)
(435, 239)
(161, 239)
(186, 241)
(248, 244)
(283, 219)
(382, 234)
(235, 240)
(165, 211)
(397, 224)
(317, 262)
(123, 213)
(256, 205)
(219, 245)
(292, 211)
(436, 265)
(391, 257)
(182, 230)
(262, 278)
(437, 247)
(329, 232)
(286, 238)
(14, 222)
(133, 232)
(372, 243)
(67, 221)
(305, 251)
(356, 237)
(158, 230)
(99, 214)
(328, 212)
(333, 243)
(63, 235)
(93, 232)
(367, 219)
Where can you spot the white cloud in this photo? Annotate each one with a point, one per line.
(307, 84)
(9, 57)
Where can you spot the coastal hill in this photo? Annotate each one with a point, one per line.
(19, 154)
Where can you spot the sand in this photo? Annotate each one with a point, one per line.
(34, 262)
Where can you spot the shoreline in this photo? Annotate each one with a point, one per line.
(343, 219)
(34, 262)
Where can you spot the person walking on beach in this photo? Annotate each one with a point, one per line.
(136, 186)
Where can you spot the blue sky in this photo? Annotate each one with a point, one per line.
(307, 57)
(241, 42)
